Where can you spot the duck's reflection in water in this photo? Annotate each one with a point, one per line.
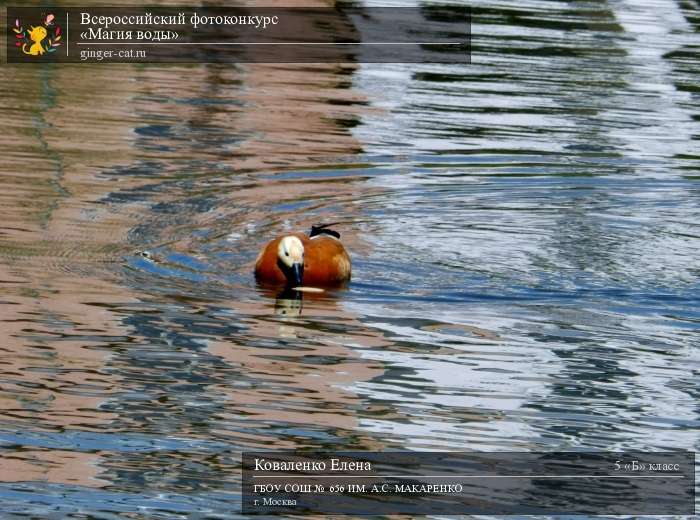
(289, 302)
(288, 307)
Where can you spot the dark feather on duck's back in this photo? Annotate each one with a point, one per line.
(322, 229)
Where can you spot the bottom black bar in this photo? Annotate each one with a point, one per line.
(426, 483)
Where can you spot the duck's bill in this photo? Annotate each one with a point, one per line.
(298, 272)
(308, 289)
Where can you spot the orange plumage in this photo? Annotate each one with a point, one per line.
(324, 261)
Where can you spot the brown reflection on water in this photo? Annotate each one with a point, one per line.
(54, 466)
(52, 363)
(292, 386)
(62, 125)
(65, 126)
(297, 126)
(87, 152)
(53, 372)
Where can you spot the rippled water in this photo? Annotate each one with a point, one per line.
(524, 233)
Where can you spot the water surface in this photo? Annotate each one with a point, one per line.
(524, 235)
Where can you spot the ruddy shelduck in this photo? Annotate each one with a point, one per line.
(297, 259)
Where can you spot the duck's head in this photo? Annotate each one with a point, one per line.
(290, 254)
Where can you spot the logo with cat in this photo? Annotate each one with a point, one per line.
(38, 40)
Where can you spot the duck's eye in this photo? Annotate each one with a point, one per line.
(286, 254)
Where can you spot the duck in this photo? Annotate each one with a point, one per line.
(318, 259)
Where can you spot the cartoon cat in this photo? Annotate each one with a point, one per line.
(37, 35)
